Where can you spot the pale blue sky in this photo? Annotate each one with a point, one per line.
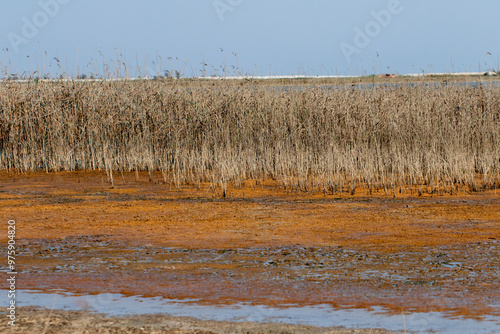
(269, 37)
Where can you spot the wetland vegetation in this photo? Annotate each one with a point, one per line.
(417, 138)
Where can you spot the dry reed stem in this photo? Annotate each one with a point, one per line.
(437, 138)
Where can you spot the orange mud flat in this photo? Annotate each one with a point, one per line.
(260, 245)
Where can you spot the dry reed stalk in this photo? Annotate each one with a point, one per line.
(417, 138)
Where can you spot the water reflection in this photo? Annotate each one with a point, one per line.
(318, 315)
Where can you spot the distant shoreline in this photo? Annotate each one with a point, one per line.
(383, 76)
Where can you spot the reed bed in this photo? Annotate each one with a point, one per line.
(420, 138)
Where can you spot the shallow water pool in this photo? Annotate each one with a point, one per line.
(318, 315)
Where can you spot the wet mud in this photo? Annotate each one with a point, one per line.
(260, 245)
(36, 320)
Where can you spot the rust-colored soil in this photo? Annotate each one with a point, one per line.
(261, 244)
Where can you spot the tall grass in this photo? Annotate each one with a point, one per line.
(413, 137)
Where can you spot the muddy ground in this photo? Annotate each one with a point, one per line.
(261, 244)
(35, 320)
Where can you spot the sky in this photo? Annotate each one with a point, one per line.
(248, 37)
